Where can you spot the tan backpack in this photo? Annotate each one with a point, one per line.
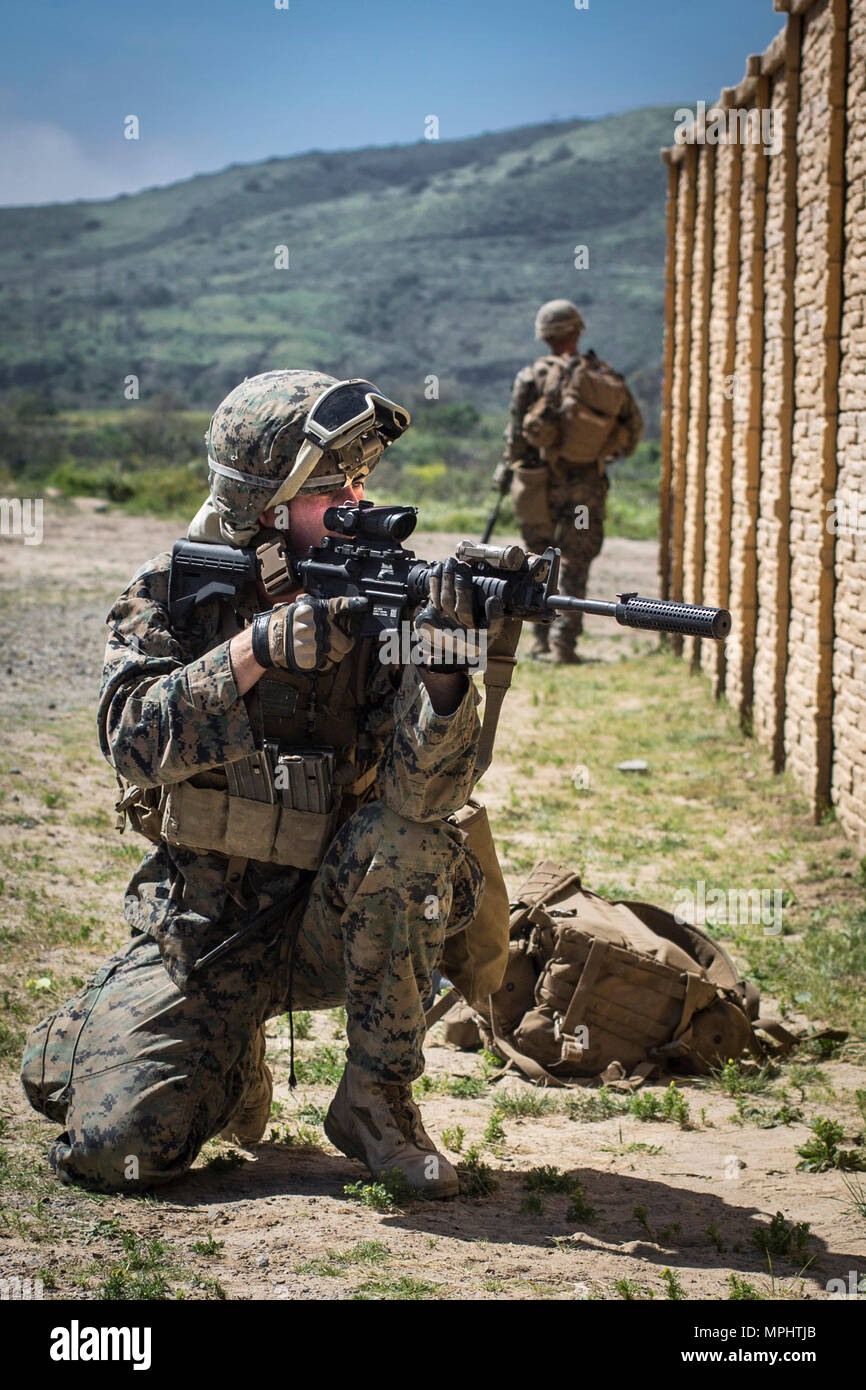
(617, 990)
(585, 412)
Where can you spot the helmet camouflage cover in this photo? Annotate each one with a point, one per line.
(557, 319)
(253, 438)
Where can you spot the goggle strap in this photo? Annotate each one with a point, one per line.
(309, 455)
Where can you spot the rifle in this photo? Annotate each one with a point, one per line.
(366, 559)
(504, 485)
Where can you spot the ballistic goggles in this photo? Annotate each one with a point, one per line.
(353, 423)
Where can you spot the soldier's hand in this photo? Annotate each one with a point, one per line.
(451, 609)
(311, 634)
(502, 476)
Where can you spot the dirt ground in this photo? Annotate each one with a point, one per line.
(276, 1223)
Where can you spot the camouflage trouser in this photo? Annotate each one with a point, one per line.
(141, 1074)
(579, 536)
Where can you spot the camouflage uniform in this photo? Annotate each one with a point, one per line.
(552, 520)
(157, 1051)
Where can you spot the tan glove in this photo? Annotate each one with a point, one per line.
(450, 609)
(309, 635)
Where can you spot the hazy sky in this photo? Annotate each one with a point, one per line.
(215, 82)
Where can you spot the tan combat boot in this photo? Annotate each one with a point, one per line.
(379, 1123)
(250, 1120)
(563, 654)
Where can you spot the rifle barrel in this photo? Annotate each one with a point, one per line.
(653, 614)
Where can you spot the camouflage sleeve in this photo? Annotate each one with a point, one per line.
(163, 716)
(428, 767)
(524, 393)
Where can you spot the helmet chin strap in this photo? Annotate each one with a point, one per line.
(211, 527)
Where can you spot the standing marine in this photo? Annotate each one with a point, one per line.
(571, 414)
(296, 791)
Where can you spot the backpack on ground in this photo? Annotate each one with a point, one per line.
(585, 413)
(616, 990)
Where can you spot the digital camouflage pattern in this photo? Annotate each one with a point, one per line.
(154, 1055)
(569, 486)
(257, 430)
(135, 1068)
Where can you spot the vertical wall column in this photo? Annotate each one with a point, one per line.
(667, 419)
(683, 261)
(699, 367)
(721, 386)
(774, 507)
(746, 423)
(817, 324)
(849, 516)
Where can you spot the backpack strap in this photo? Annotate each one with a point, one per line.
(441, 1007)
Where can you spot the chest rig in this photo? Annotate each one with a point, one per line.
(313, 766)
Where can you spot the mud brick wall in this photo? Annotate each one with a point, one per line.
(764, 422)
(849, 601)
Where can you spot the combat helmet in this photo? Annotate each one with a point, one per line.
(558, 318)
(286, 432)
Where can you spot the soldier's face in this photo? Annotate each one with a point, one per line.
(306, 516)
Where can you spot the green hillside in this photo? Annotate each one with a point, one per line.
(403, 262)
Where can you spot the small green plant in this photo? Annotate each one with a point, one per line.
(781, 1239)
(208, 1247)
(453, 1138)
(763, 1116)
(674, 1289)
(860, 1098)
(521, 1105)
(392, 1191)
(312, 1114)
(494, 1134)
(641, 1215)
(466, 1087)
(675, 1107)
(141, 1273)
(532, 1205)
(740, 1288)
(822, 1151)
(547, 1178)
(225, 1163)
(579, 1209)
(322, 1067)
(645, 1106)
(857, 1192)
(334, 1263)
(402, 1288)
(737, 1078)
(627, 1288)
(596, 1105)
(304, 1137)
(303, 1024)
(715, 1237)
(476, 1177)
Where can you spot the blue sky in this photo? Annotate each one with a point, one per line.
(214, 82)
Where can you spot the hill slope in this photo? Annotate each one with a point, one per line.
(403, 262)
